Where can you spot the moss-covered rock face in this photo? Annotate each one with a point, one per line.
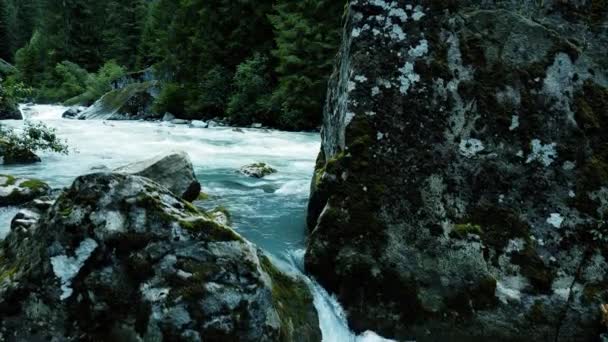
(118, 257)
(17, 191)
(131, 101)
(462, 188)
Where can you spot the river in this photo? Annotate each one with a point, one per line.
(269, 212)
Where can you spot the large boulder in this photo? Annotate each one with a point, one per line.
(462, 189)
(8, 108)
(118, 257)
(173, 170)
(17, 191)
(133, 101)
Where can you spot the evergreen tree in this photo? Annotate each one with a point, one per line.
(307, 34)
(5, 33)
(124, 25)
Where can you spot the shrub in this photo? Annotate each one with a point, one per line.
(250, 100)
(34, 137)
(171, 99)
(98, 84)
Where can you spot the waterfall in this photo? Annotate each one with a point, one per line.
(332, 318)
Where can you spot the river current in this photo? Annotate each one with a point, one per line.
(270, 212)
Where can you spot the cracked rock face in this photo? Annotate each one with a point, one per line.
(461, 191)
(118, 257)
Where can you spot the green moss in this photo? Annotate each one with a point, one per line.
(462, 230)
(10, 180)
(203, 197)
(591, 107)
(211, 230)
(115, 99)
(291, 298)
(34, 184)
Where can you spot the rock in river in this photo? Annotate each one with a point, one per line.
(173, 170)
(118, 257)
(17, 191)
(461, 193)
(257, 170)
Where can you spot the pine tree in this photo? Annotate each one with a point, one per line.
(307, 34)
(124, 26)
(5, 38)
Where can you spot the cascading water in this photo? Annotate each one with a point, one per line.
(269, 212)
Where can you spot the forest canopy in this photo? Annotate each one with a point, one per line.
(249, 61)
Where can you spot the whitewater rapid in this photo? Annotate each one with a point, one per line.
(269, 212)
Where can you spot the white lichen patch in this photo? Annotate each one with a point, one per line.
(66, 268)
(375, 91)
(470, 147)
(418, 14)
(507, 292)
(407, 77)
(399, 13)
(545, 154)
(348, 118)
(555, 220)
(514, 123)
(420, 50)
(360, 78)
(153, 294)
(379, 136)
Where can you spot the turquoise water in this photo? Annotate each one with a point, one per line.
(270, 212)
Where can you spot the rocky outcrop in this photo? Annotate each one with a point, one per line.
(461, 192)
(133, 101)
(72, 112)
(8, 107)
(17, 191)
(257, 170)
(173, 170)
(118, 257)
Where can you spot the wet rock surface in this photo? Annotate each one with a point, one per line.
(257, 170)
(118, 257)
(17, 191)
(461, 191)
(173, 170)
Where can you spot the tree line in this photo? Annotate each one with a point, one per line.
(262, 61)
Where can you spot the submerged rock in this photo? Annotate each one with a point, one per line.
(118, 257)
(173, 170)
(462, 189)
(257, 170)
(72, 112)
(17, 191)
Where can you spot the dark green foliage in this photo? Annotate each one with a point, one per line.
(251, 61)
(250, 100)
(307, 35)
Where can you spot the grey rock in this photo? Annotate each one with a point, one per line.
(133, 101)
(198, 124)
(16, 191)
(180, 122)
(168, 117)
(257, 125)
(459, 193)
(117, 245)
(257, 170)
(72, 112)
(173, 170)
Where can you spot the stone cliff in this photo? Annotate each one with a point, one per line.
(461, 191)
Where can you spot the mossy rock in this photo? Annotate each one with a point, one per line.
(17, 191)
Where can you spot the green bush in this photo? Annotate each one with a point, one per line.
(251, 97)
(210, 97)
(171, 99)
(96, 85)
(65, 81)
(33, 137)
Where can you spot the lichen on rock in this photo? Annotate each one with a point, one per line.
(462, 183)
(119, 257)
